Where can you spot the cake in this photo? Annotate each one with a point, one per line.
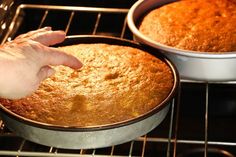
(197, 25)
(116, 83)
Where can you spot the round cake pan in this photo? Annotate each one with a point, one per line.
(199, 66)
(94, 136)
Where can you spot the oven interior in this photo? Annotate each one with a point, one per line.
(201, 121)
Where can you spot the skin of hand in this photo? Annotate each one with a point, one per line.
(25, 61)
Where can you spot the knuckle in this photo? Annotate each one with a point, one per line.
(34, 45)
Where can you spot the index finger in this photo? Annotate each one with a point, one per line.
(45, 36)
(49, 38)
(29, 34)
(54, 56)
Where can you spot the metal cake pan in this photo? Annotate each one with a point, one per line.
(192, 65)
(93, 136)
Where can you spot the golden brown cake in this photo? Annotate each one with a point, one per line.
(198, 25)
(115, 84)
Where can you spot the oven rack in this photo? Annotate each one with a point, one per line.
(164, 140)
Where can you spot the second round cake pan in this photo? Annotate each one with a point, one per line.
(194, 66)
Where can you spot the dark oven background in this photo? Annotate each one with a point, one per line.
(201, 121)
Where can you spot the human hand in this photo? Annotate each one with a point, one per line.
(25, 61)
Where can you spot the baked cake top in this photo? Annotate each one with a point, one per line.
(115, 84)
(197, 25)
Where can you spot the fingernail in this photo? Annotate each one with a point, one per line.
(47, 28)
(79, 64)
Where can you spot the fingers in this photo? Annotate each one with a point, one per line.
(54, 56)
(45, 55)
(49, 38)
(44, 36)
(45, 72)
(32, 33)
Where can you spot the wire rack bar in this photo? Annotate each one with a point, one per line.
(131, 148)
(97, 23)
(206, 121)
(69, 22)
(170, 128)
(43, 19)
(37, 154)
(124, 28)
(183, 141)
(207, 82)
(73, 8)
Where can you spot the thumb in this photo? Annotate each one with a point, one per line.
(45, 72)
